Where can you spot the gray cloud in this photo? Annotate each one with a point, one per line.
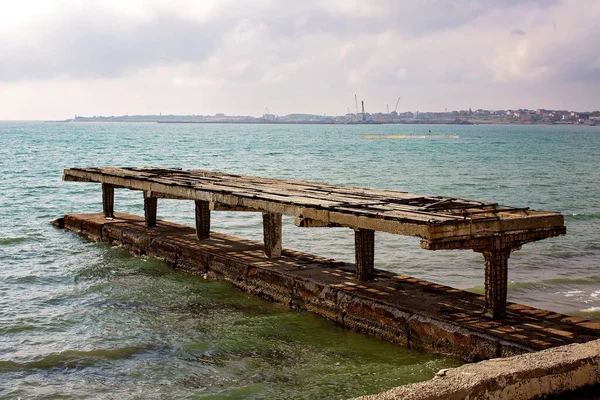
(100, 44)
(96, 42)
(301, 56)
(410, 18)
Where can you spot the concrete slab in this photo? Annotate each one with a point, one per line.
(530, 376)
(401, 309)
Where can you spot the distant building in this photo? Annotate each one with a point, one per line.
(523, 115)
(406, 115)
(540, 112)
(582, 117)
(380, 117)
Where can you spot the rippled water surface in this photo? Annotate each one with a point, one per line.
(81, 319)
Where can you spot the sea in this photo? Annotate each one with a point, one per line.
(80, 319)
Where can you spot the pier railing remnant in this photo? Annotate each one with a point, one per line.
(442, 223)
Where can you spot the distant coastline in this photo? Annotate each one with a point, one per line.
(321, 122)
(463, 117)
(305, 119)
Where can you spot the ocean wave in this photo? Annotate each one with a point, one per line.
(571, 293)
(23, 279)
(592, 313)
(14, 240)
(582, 217)
(546, 283)
(73, 359)
(591, 310)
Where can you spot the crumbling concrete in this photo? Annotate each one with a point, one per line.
(440, 222)
(528, 376)
(401, 309)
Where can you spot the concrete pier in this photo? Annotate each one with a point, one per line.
(150, 209)
(202, 219)
(364, 248)
(272, 233)
(108, 199)
(400, 309)
(441, 222)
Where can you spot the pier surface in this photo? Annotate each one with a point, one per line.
(401, 309)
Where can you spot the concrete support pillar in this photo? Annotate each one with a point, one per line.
(202, 219)
(496, 281)
(150, 204)
(108, 200)
(272, 233)
(364, 252)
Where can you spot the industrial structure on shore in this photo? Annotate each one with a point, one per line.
(361, 116)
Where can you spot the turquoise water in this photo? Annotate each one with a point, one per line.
(80, 319)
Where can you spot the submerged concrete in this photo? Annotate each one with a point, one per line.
(528, 376)
(401, 309)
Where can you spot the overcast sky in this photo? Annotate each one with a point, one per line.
(104, 57)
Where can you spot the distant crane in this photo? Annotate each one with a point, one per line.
(398, 102)
(364, 117)
(268, 115)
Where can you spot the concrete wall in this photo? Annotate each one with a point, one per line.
(528, 376)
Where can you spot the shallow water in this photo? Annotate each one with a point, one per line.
(80, 319)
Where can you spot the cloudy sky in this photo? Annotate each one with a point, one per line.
(59, 58)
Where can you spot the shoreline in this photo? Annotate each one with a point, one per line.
(415, 122)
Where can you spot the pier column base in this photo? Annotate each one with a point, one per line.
(108, 200)
(202, 219)
(496, 280)
(150, 204)
(272, 232)
(364, 251)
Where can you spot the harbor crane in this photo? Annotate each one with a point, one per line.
(364, 116)
(398, 102)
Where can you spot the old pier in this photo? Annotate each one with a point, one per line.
(394, 307)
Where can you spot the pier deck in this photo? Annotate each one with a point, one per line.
(441, 222)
